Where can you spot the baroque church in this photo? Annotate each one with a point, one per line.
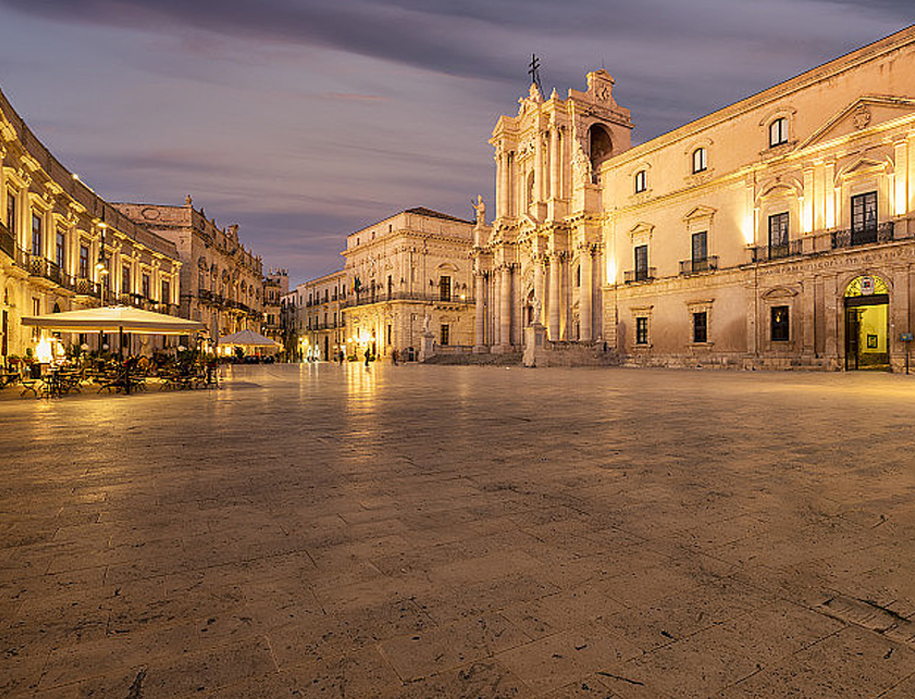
(776, 232)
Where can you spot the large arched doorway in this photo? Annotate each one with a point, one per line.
(601, 149)
(867, 303)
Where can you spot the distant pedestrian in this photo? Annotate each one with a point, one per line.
(368, 358)
(394, 357)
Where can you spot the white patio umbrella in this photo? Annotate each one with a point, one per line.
(121, 318)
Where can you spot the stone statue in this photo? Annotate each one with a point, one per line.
(426, 321)
(538, 308)
(480, 208)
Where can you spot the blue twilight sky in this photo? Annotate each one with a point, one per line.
(303, 120)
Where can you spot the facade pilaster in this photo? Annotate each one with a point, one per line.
(480, 309)
(555, 163)
(538, 167)
(496, 295)
(586, 294)
(538, 287)
(505, 313)
(555, 281)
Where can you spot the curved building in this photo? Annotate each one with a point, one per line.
(62, 247)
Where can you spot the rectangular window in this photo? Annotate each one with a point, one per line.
(641, 262)
(641, 331)
(36, 236)
(700, 247)
(444, 291)
(445, 334)
(779, 325)
(166, 292)
(778, 235)
(641, 181)
(864, 218)
(778, 132)
(83, 261)
(11, 212)
(144, 281)
(388, 335)
(125, 279)
(60, 256)
(700, 326)
(700, 160)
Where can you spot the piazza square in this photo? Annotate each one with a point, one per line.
(319, 530)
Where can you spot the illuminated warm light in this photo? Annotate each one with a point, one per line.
(611, 270)
(44, 351)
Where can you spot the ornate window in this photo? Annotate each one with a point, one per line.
(445, 336)
(778, 235)
(700, 160)
(641, 263)
(864, 218)
(11, 195)
(700, 327)
(778, 325)
(36, 236)
(83, 261)
(444, 290)
(778, 132)
(641, 330)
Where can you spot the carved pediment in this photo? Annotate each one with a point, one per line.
(641, 229)
(700, 212)
(863, 113)
(779, 292)
(863, 166)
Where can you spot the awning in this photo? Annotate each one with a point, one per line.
(247, 338)
(121, 318)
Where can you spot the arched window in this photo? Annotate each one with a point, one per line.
(778, 132)
(601, 148)
(700, 160)
(641, 181)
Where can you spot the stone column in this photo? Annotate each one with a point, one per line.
(538, 287)
(495, 296)
(585, 294)
(555, 280)
(538, 167)
(505, 303)
(480, 308)
(555, 163)
(501, 183)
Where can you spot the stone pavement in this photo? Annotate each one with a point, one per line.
(466, 532)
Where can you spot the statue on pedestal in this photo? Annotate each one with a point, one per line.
(480, 208)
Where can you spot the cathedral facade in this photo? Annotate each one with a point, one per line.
(776, 232)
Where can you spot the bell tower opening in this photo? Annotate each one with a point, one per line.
(601, 148)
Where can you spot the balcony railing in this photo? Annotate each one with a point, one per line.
(882, 233)
(633, 276)
(367, 297)
(777, 252)
(87, 287)
(706, 264)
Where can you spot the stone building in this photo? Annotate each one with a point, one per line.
(776, 232)
(221, 280)
(64, 248)
(276, 286)
(321, 302)
(407, 276)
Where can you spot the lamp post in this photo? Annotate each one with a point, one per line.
(101, 265)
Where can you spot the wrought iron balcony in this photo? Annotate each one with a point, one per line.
(777, 252)
(706, 264)
(87, 287)
(367, 297)
(882, 233)
(634, 276)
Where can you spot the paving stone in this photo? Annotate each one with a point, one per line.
(460, 532)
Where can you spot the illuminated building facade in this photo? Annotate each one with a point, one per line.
(276, 286)
(408, 283)
(776, 232)
(64, 248)
(321, 302)
(221, 280)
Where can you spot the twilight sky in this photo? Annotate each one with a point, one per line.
(304, 120)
